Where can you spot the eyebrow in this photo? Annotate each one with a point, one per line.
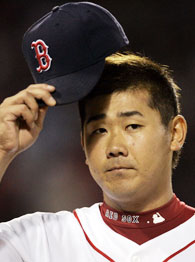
(121, 114)
(129, 114)
(96, 118)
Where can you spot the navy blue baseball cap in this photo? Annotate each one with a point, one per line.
(67, 48)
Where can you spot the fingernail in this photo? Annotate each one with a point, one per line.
(32, 125)
(50, 88)
(52, 101)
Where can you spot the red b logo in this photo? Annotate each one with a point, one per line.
(42, 55)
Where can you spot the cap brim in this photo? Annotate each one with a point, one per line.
(73, 87)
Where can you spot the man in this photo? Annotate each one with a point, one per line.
(132, 134)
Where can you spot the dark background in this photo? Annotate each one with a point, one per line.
(51, 175)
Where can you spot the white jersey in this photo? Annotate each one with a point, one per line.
(84, 236)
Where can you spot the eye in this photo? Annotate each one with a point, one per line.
(133, 126)
(99, 131)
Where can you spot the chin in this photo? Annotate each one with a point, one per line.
(120, 192)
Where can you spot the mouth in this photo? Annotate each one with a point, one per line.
(119, 168)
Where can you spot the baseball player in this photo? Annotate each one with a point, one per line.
(132, 135)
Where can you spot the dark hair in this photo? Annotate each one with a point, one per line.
(127, 71)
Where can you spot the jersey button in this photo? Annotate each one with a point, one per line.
(135, 259)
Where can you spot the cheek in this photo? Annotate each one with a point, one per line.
(95, 153)
(95, 162)
(150, 150)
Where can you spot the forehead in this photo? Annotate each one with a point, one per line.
(124, 100)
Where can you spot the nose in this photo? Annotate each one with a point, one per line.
(116, 147)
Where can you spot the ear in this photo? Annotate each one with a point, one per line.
(82, 145)
(82, 139)
(178, 130)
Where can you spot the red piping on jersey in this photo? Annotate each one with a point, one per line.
(179, 251)
(93, 246)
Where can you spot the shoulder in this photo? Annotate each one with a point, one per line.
(35, 219)
(38, 221)
(34, 237)
(21, 236)
(92, 212)
(36, 225)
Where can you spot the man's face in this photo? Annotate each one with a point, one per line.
(127, 147)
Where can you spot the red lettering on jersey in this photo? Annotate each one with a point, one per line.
(42, 56)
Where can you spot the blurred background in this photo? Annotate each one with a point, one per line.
(52, 175)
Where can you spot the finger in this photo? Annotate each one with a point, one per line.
(20, 112)
(38, 91)
(31, 103)
(43, 94)
(50, 88)
(24, 97)
(41, 116)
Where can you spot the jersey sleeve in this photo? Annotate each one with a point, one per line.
(20, 237)
(8, 252)
(36, 237)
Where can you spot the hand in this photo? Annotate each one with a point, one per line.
(21, 119)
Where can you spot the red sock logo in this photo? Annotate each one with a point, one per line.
(42, 55)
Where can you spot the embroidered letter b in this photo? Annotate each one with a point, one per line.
(42, 56)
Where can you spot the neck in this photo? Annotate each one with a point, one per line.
(137, 204)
